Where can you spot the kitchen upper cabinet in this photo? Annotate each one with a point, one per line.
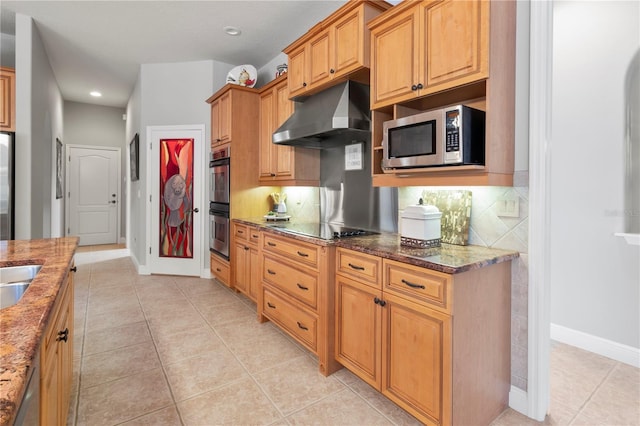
(282, 164)
(221, 119)
(429, 47)
(430, 54)
(333, 50)
(56, 360)
(7, 99)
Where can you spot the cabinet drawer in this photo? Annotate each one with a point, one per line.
(293, 249)
(220, 269)
(241, 232)
(300, 324)
(430, 287)
(360, 266)
(254, 235)
(292, 281)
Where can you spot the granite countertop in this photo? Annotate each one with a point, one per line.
(449, 258)
(23, 324)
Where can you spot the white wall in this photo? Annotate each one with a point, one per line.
(594, 276)
(39, 121)
(167, 94)
(96, 125)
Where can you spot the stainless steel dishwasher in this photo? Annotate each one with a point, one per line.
(29, 410)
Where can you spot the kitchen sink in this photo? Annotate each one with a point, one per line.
(14, 281)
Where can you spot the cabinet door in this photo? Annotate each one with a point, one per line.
(254, 273)
(318, 61)
(455, 36)
(348, 44)
(240, 262)
(215, 122)
(7, 99)
(225, 117)
(416, 359)
(267, 148)
(394, 60)
(283, 155)
(49, 386)
(358, 334)
(297, 71)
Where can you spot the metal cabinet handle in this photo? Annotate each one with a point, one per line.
(302, 254)
(332, 71)
(240, 232)
(301, 287)
(63, 335)
(356, 267)
(271, 244)
(304, 84)
(412, 284)
(270, 305)
(414, 87)
(270, 272)
(74, 269)
(420, 86)
(301, 326)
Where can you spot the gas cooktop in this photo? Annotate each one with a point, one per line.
(323, 231)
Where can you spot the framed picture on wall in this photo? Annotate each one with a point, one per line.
(58, 168)
(134, 152)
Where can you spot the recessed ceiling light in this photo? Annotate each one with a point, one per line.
(95, 94)
(232, 31)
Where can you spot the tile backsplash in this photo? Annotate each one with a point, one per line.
(495, 223)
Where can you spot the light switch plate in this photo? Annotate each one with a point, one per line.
(508, 207)
(353, 157)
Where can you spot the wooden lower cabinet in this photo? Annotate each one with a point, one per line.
(297, 293)
(246, 268)
(220, 269)
(56, 360)
(436, 344)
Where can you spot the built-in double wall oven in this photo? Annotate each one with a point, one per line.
(219, 181)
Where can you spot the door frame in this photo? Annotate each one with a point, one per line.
(203, 216)
(67, 210)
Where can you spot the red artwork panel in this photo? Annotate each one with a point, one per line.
(176, 198)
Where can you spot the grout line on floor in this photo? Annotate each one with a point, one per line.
(592, 394)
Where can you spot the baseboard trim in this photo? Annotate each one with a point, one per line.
(518, 400)
(617, 351)
(206, 273)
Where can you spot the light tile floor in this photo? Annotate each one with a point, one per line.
(165, 350)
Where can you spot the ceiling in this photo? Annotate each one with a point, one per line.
(100, 45)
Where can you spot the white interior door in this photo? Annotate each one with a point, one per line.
(175, 181)
(93, 194)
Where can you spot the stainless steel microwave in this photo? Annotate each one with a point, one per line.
(444, 137)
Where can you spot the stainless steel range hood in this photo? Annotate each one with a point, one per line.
(335, 116)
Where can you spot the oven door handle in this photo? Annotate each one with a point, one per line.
(214, 212)
(219, 162)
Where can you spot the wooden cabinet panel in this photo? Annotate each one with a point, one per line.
(220, 269)
(221, 120)
(431, 287)
(56, 359)
(394, 62)
(254, 273)
(7, 99)
(416, 359)
(455, 37)
(304, 253)
(361, 266)
(358, 325)
(281, 164)
(245, 265)
(334, 50)
(292, 319)
(298, 284)
(240, 262)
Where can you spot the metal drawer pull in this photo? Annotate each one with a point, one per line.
(412, 284)
(359, 268)
(74, 269)
(301, 326)
(254, 236)
(270, 272)
(240, 232)
(270, 305)
(271, 244)
(302, 254)
(301, 287)
(218, 270)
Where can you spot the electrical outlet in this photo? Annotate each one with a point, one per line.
(508, 207)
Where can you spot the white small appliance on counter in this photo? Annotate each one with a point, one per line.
(420, 226)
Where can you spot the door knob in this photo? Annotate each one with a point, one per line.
(113, 195)
(113, 201)
(196, 210)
